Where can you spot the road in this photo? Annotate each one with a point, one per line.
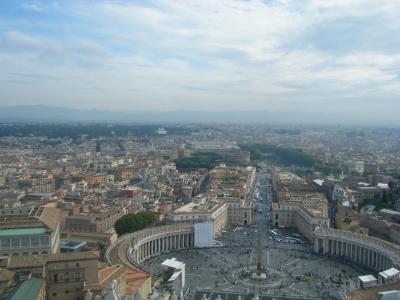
(261, 221)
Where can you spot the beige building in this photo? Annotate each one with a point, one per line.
(381, 227)
(42, 184)
(67, 275)
(195, 212)
(221, 211)
(299, 204)
(93, 221)
(298, 216)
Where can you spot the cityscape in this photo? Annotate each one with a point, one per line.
(199, 150)
(199, 211)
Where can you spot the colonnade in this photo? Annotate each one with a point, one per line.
(375, 253)
(154, 241)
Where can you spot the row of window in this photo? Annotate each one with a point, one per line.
(67, 276)
(25, 242)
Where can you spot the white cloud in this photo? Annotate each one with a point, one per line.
(205, 54)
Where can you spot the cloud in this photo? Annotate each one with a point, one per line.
(32, 6)
(206, 54)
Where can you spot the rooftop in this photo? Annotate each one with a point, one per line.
(38, 261)
(28, 289)
(22, 231)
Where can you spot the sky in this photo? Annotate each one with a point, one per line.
(276, 55)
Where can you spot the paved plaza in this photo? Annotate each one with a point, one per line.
(293, 270)
(305, 274)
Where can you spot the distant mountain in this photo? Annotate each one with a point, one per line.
(42, 113)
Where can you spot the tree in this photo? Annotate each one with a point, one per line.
(133, 222)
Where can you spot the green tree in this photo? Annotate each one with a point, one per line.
(198, 160)
(133, 222)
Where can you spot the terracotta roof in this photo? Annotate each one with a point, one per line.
(133, 279)
(104, 274)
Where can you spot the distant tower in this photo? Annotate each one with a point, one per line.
(98, 150)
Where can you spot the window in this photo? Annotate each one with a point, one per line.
(77, 276)
(54, 294)
(44, 240)
(15, 242)
(66, 276)
(55, 278)
(25, 241)
(5, 243)
(34, 241)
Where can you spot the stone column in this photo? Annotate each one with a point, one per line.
(149, 248)
(368, 257)
(337, 253)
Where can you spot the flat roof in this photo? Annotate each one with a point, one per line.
(22, 231)
(367, 278)
(173, 263)
(68, 244)
(320, 182)
(390, 273)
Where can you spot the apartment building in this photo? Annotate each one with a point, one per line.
(66, 275)
(99, 220)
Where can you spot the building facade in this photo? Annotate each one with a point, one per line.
(29, 231)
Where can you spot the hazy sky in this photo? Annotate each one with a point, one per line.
(202, 55)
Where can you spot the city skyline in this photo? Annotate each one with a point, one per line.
(310, 56)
